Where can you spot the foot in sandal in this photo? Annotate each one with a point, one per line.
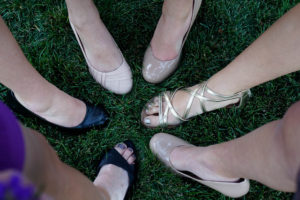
(183, 157)
(172, 108)
(117, 170)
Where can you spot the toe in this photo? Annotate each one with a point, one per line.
(153, 102)
(128, 152)
(121, 148)
(152, 110)
(131, 159)
(151, 121)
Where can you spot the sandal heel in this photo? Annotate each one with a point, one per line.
(245, 97)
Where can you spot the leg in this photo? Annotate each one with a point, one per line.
(95, 37)
(272, 55)
(31, 89)
(269, 154)
(171, 28)
(46, 171)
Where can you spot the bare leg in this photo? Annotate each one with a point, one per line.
(171, 28)
(100, 47)
(31, 89)
(274, 54)
(46, 171)
(269, 154)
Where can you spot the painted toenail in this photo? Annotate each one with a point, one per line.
(147, 121)
(147, 110)
(121, 146)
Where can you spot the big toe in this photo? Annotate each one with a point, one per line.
(121, 148)
(151, 121)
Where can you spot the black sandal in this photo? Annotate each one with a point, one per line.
(115, 158)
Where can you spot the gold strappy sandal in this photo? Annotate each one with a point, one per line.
(197, 93)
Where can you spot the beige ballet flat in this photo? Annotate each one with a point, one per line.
(156, 70)
(163, 144)
(198, 94)
(118, 81)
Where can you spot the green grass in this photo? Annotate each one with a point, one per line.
(222, 30)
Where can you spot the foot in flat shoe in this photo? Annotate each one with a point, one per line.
(100, 47)
(114, 179)
(202, 163)
(199, 161)
(56, 107)
(104, 59)
(170, 30)
(172, 108)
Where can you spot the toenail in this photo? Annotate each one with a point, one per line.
(121, 146)
(130, 149)
(147, 110)
(147, 121)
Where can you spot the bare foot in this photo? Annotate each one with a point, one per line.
(114, 179)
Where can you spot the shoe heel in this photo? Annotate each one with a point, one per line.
(246, 95)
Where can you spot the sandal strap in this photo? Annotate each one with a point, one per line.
(163, 116)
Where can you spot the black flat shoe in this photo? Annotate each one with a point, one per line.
(95, 115)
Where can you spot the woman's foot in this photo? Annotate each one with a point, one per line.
(104, 59)
(56, 107)
(163, 54)
(171, 29)
(150, 114)
(114, 179)
(201, 162)
(101, 49)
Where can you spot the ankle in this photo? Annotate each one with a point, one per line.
(179, 11)
(217, 85)
(103, 192)
(213, 157)
(83, 19)
(36, 103)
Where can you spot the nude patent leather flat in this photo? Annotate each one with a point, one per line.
(163, 144)
(118, 81)
(156, 70)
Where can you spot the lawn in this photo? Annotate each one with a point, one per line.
(221, 31)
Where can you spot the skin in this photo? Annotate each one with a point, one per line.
(172, 26)
(269, 155)
(45, 170)
(276, 53)
(101, 49)
(31, 89)
(166, 42)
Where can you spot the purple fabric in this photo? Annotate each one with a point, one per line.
(12, 148)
